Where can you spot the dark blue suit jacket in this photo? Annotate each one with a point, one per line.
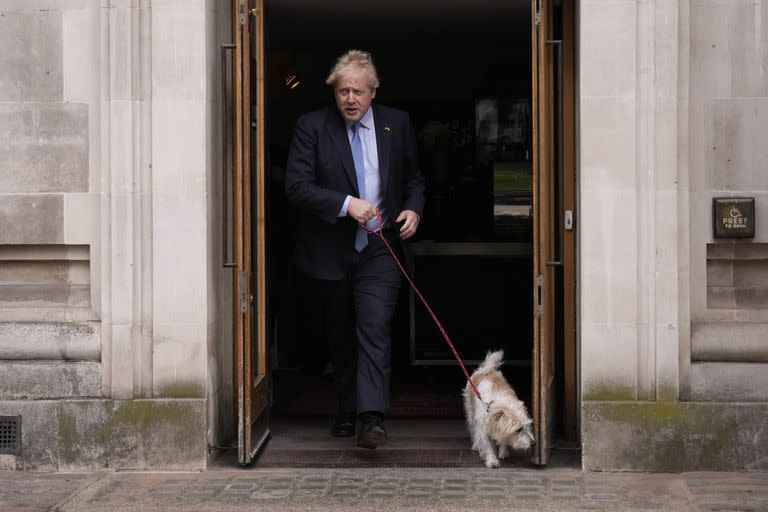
(320, 174)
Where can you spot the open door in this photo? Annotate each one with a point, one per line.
(547, 262)
(249, 229)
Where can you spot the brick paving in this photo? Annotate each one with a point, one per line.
(385, 489)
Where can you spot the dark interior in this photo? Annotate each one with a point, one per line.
(463, 72)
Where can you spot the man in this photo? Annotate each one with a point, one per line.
(345, 163)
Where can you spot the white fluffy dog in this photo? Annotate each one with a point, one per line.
(505, 424)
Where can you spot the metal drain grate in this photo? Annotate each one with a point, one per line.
(10, 434)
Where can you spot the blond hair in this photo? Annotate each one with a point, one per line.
(354, 60)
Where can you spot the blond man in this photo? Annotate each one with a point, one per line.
(347, 162)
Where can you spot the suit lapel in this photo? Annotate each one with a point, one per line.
(383, 144)
(337, 131)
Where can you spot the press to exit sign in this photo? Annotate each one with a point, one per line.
(734, 217)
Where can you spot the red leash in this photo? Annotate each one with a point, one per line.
(429, 310)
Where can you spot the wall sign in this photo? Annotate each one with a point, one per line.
(734, 217)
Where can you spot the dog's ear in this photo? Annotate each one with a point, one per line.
(498, 415)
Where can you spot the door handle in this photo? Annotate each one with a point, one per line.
(558, 43)
(224, 167)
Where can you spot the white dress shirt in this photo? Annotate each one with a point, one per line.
(373, 193)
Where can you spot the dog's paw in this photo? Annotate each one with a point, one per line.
(503, 451)
(492, 463)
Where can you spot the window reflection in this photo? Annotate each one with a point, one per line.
(479, 172)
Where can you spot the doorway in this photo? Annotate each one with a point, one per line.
(491, 254)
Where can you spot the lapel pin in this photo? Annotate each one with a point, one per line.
(386, 129)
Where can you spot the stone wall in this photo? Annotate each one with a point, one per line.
(673, 344)
(109, 274)
(628, 199)
(50, 336)
(728, 127)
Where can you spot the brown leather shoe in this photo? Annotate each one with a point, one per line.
(344, 426)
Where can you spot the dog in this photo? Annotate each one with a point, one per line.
(505, 424)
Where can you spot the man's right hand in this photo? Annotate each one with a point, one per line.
(361, 210)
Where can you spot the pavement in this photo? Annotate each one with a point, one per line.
(387, 489)
(425, 466)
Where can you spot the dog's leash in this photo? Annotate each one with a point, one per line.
(426, 305)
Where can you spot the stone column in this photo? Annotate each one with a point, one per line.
(180, 148)
(630, 220)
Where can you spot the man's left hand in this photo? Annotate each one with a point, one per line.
(408, 229)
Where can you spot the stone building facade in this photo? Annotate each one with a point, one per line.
(115, 329)
(108, 295)
(672, 114)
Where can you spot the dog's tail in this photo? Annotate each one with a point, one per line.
(492, 362)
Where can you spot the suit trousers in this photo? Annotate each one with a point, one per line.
(359, 310)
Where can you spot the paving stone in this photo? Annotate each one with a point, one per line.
(571, 497)
(534, 497)
(493, 481)
(419, 492)
(271, 494)
(491, 488)
(342, 495)
(200, 493)
(529, 481)
(248, 480)
(491, 496)
(528, 487)
(399, 489)
(602, 497)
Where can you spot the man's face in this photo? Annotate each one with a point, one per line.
(353, 96)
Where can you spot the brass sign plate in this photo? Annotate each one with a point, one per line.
(734, 217)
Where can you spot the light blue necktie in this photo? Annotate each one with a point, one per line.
(361, 237)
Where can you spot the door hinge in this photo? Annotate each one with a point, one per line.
(243, 292)
(568, 220)
(539, 286)
(242, 12)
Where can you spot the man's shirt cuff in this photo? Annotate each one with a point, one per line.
(343, 212)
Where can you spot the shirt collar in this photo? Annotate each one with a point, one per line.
(366, 121)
